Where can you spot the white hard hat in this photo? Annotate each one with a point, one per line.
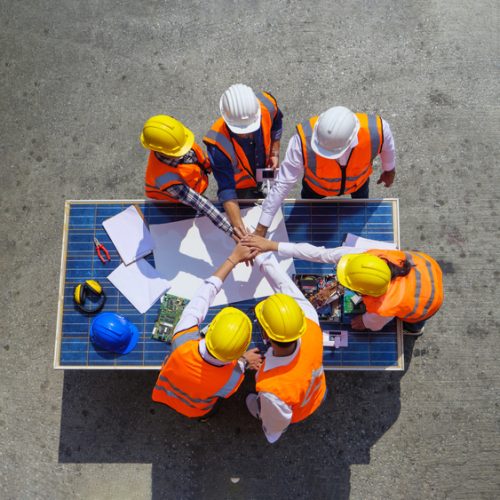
(240, 109)
(334, 132)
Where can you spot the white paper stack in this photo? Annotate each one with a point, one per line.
(130, 235)
(352, 240)
(140, 283)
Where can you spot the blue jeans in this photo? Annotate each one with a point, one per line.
(362, 192)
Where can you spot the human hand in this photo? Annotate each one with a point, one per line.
(273, 162)
(260, 230)
(357, 323)
(239, 232)
(259, 243)
(254, 358)
(241, 253)
(387, 177)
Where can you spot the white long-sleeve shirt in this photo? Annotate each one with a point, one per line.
(196, 311)
(275, 414)
(306, 251)
(292, 169)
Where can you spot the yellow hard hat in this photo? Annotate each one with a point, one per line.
(281, 317)
(364, 273)
(229, 334)
(167, 135)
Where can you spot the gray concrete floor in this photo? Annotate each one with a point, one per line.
(78, 79)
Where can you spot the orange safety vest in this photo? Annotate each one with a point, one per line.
(300, 384)
(327, 177)
(189, 384)
(220, 137)
(160, 176)
(411, 298)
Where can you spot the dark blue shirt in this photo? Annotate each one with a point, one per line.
(254, 150)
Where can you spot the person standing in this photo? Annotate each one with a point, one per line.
(178, 169)
(393, 284)
(333, 152)
(241, 144)
(200, 372)
(290, 383)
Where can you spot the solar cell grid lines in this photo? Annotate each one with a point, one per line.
(320, 222)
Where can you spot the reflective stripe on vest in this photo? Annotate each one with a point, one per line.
(181, 338)
(183, 396)
(270, 106)
(418, 286)
(414, 297)
(224, 144)
(168, 177)
(231, 384)
(316, 175)
(314, 378)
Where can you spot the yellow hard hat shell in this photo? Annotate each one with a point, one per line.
(364, 273)
(229, 334)
(281, 317)
(167, 135)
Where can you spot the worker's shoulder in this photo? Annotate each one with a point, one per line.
(268, 94)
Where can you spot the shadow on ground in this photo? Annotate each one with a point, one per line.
(108, 417)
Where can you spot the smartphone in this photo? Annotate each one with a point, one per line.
(265, 173)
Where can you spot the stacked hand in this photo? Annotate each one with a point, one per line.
(254, 358)
(259, 244)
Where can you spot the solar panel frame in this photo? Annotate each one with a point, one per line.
(306, 220)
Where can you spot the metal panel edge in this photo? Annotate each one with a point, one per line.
(62, 281)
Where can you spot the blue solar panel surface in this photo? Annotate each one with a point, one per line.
(321, 223)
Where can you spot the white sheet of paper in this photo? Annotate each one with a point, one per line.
(189, 251)
(140, 283)
(129, 234)
(355, 241)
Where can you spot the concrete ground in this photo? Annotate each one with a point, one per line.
(78, 79)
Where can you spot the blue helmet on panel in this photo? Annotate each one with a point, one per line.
(114, 333)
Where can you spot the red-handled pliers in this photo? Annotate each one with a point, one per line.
(99, 247)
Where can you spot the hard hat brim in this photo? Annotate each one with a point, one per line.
(187, 146)
(185, 149)
(341, 269)
(133, 340)
(326, 153)
(248, 129)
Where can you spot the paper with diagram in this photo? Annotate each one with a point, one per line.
(189, 251)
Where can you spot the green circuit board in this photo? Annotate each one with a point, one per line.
(170, 312)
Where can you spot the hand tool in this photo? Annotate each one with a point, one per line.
(100, 247)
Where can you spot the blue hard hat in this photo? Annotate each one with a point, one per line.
(114, 333)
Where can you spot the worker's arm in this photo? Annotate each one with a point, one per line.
(201, 204)
(282, 283)
(196, 311)
(275, 415)
(370, 321)
(224, 175)
(303, 251)
(289, 173)
(232, 209)
(387, 156)
(276, 132)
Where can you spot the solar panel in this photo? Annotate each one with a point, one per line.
(320, 222)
